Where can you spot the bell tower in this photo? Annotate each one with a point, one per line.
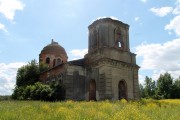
(109, 61)
(108, 33)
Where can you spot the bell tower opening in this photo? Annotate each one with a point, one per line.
(119, 44)
(119, 41)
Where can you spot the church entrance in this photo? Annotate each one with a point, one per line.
(122, 90)
(92, 90)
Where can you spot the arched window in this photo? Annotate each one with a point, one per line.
(59, 61)
(119, 43)
(47, 60)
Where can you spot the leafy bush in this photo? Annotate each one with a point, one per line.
(39, 91)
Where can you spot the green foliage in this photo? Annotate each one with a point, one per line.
(43, 67)
(150, 87)
(39, 91)
(18, 93)
(27, 85)
(6, 97)
(58, 92)
(141, 91)
(164, 89)
(164, 85)
(176, 89)
(28, 74)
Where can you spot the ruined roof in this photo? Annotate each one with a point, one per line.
(106, 20)
(54, 48)
(79, 62)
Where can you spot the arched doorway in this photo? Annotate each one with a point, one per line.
(122, 90)
(92, 90)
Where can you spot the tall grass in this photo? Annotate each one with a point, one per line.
(104, 110)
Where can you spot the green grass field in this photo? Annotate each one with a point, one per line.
(104, 110)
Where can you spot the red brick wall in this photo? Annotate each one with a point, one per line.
(52, 72)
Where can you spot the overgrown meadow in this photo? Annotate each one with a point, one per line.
(103, 110)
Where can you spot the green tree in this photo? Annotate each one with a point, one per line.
(43, 67)
(176, 89)
(27, 85)
(28, 74)
(18, 93)
(164, 86)
(150, 87)
(141, 91)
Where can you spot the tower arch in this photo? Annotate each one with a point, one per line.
(119, 41)
(92, 90)
(122, 90)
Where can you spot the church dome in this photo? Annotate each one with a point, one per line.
(53, 54)
(54, 48)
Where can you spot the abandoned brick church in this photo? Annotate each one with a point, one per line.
(107, 71)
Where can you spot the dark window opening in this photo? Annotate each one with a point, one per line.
(47, 60)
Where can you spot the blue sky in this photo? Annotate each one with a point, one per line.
(26, 26)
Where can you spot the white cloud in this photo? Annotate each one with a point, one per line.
(177, 1)
(170, 33)
(176, 10)
(141, 79)
(77, 53)
(174, 25)
(8, 77)
(144, 1)
(2, 27)
(9, 7)
(157, 73)
(160, 57)
(136, 18)
(163, 11)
